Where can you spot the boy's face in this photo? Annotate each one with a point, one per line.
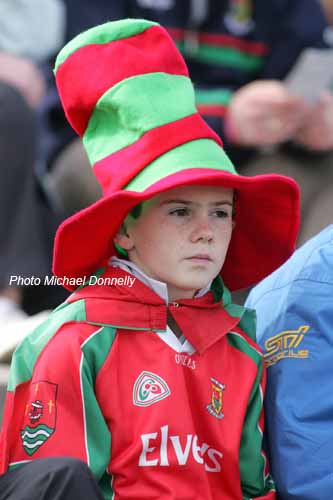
(181, 237)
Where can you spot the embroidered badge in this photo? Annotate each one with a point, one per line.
(285, 345)
(149, 389)
(40, 416)
(238, 18)
(215, 407)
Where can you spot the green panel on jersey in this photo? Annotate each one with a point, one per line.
(251, 434)
(105, 485)
(97, 435)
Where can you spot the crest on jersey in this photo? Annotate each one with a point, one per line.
(149, 389)
(238, 18)
(40, 416)
(216, 404)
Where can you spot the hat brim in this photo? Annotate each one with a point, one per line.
(264, 236)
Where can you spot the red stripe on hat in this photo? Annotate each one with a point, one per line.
(150, 146)
(81, 82)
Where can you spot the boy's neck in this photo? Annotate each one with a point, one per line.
(159, 287)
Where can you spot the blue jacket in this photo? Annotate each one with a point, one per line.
(295, 330)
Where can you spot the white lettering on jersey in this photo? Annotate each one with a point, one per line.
(203, 455)
(182, 455)
(143, 462)
(184, 360)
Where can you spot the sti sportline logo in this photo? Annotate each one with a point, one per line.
(149, 389)
(286, 345)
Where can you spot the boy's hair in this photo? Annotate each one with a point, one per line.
(136, 211)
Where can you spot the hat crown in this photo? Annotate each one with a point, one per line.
(125, 89)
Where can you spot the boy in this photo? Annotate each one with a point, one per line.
(147, 374)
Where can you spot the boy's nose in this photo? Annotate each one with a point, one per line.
(203, 230)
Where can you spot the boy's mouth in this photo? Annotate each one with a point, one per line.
(200, 258)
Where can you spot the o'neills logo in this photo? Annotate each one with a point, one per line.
(160, 449)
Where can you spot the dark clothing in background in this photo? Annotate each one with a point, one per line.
(26, 237)
(52, 478)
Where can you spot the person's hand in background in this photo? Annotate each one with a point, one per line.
(263, 113)
(24, 75)
(316, 131)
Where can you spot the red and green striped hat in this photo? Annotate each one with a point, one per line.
(126, 91)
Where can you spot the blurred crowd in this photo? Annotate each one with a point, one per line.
(239, 53)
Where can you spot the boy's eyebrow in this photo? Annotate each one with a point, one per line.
(186, 202)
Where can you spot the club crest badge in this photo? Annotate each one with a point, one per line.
(149, 389)
(40, 416)
(238, 18)
(215, 407)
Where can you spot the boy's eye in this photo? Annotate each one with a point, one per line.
(222, 214)
(180, 212)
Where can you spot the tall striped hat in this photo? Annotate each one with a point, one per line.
(126, 91)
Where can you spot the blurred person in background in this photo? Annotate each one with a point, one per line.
(30, 32)
(238, 53)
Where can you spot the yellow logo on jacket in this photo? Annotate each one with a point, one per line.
(285, 345)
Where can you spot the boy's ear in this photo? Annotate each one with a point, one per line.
(123, 239)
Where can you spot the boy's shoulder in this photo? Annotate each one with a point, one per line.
(243, 336)
(111, 302)
(67, 333)
(239, 340)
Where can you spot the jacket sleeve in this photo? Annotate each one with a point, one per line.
(296, 337)
(51, 408)
(256, 481)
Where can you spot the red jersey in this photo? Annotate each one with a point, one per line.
(99, 381)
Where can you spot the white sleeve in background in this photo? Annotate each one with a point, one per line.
(32, 28)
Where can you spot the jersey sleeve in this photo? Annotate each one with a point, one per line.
(256, 481)
(51, 408)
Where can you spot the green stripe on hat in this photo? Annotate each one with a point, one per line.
(124, 28)
(201, 153)
(134, 106)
